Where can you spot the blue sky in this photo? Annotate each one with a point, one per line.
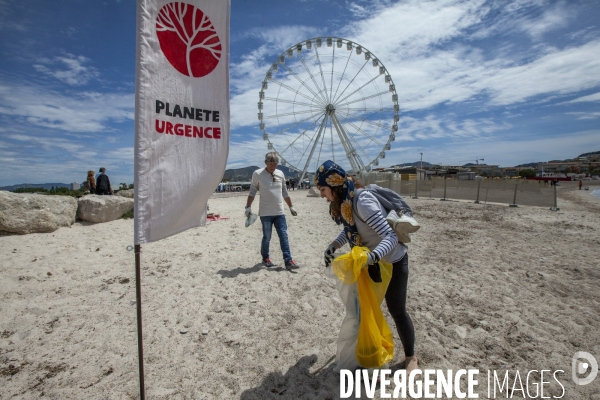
(507, 81)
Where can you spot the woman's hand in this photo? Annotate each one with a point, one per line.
(373, 258)
(329, 255)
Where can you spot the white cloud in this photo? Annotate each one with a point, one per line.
(358, 10)
(554, 18)
(72, 112)
(586, 115)
(589, 98)
(411, 29)
(282, 36)
(428, 75)
(31, 159)
(51, 136)
(561, 72)
(432, 127)
(248, 152)
(534, 18)
(75, 74)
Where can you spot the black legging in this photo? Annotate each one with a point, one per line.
(395, 298)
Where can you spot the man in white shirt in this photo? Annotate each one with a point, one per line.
(271, 183)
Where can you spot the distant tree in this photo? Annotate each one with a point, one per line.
(484, 174)
(123, 186)
(526, 173)
(29, 190)
(63, 191)
(131, 186)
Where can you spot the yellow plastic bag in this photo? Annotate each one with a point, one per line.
(347, 267)
(375, 345)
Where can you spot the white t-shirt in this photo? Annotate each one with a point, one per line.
(272, 191)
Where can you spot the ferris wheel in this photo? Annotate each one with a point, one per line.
(328, 98)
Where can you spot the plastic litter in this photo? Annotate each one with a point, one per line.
(251, 219)
(364, 328)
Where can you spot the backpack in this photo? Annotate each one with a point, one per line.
(102, 184)
(399, 212)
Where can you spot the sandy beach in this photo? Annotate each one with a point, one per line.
(491, 288)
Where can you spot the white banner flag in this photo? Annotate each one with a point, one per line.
(181, 113)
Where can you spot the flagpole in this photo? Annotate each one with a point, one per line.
(158, 70)
(138, 297)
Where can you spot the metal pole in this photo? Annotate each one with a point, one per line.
(323, 123)
(444, 199)
(416, 188)
(514, 203)
(478, 186)
(138, 297)
(555, 208)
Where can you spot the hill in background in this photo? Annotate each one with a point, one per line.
(413, 164)
(245, 174)
(532, 165)
(593, 153)
(46, 186)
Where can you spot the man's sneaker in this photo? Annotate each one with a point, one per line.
(291, 265)
(267, 262)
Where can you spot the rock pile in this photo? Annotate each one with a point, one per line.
(125, 193)
(30, 213)
(94, 208)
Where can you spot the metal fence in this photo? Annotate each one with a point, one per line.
(508, 191)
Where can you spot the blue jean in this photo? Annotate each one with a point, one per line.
(281, 228)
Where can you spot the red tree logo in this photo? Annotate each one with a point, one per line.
(188, 39)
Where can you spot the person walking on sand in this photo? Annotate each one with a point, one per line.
(273, 192)
(580, 184)
(369, 229)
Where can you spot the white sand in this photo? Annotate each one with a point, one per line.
(491, 287)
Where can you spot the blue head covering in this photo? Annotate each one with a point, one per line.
(332, 175)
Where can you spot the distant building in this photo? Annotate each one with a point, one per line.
(448, 171)
(465, 176)
(420, 174)
(74, 186)
(486, 170)
(511, 171)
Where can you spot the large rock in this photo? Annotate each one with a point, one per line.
(31, 213)
(95, 208)
(125, 193)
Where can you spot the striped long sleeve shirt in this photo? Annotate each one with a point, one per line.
(375, 232)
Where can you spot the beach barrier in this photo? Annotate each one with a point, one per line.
(513, 192)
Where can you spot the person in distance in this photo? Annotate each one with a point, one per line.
(271, 183)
